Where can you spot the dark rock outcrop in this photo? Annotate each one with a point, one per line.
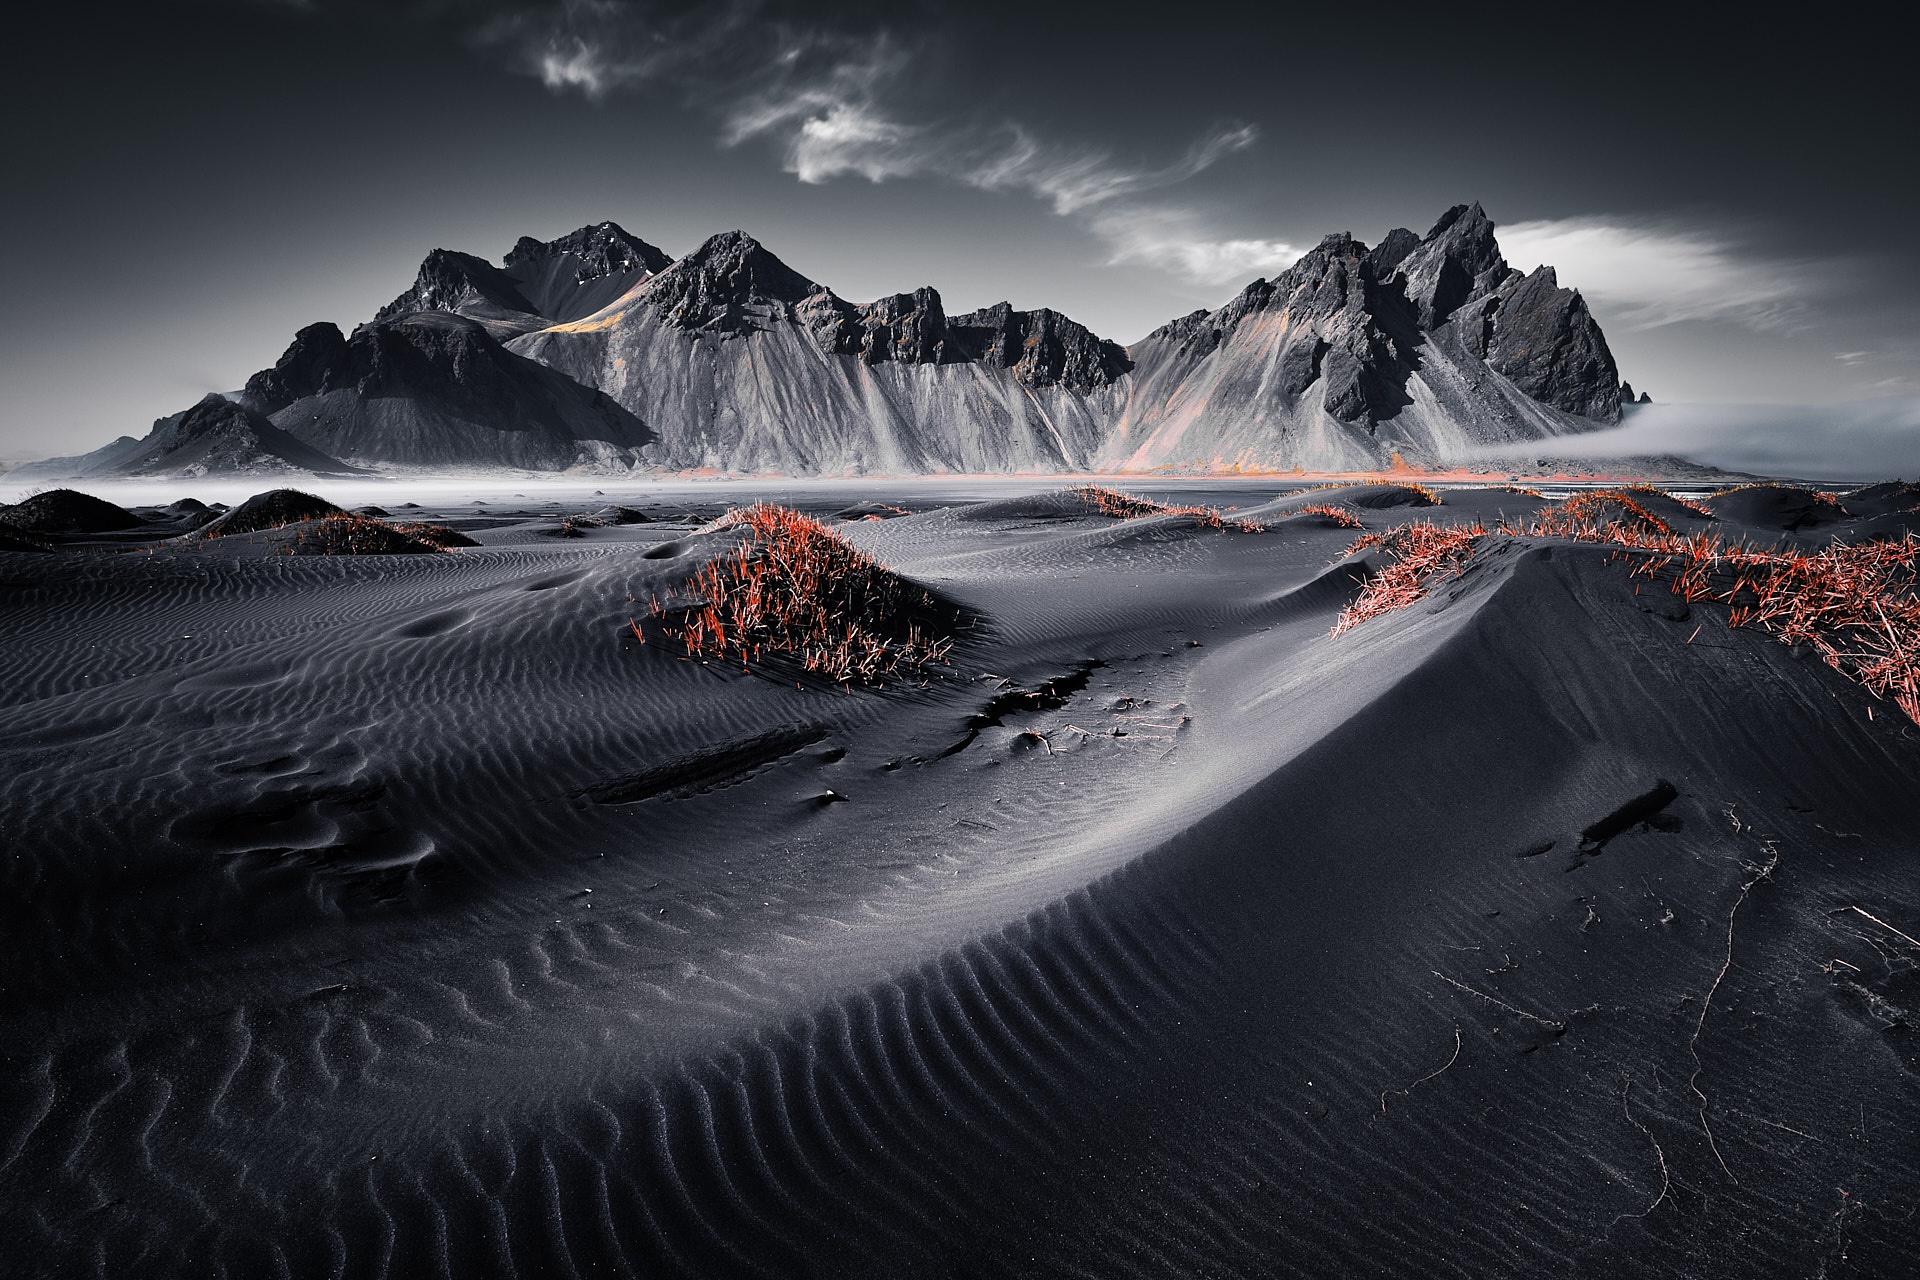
(1545, 341)
(436, 390)
(217, 436)
(726, 286)
(539, 282)
(1043, 348)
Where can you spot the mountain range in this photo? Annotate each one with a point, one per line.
(599, 352)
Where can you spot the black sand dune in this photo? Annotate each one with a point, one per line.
(403, 916)
(68, 511)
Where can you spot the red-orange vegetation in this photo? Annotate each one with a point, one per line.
(1125, 506)
(1431, 495)
(1596, 508)
(1688, 503)
(1339, 515)
(1857, 605)
(1421, 552)
(793, 588)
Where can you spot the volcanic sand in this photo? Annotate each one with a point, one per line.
(403, 915)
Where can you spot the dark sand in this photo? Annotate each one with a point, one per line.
(400, 916)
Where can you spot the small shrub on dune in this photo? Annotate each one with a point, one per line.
(271, 510)
(1340, 516)
(345, 535)
(1421, 552)
(1703, 512)
(1856, 605)
(793, 588)
(1594, 509)
(436, 535)
(1125, 506)
(1431, 495)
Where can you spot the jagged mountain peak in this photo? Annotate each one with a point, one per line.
(1392, 251)
(711, 287)
(601, 249)
(449, 280)
(1459, 258)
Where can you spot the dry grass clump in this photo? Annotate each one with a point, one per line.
(437, 534)
(1125, 506)
(1431, 495)
(1422, 551)
(1339, 515)
(793, 588)
(345, 535)
(1595, 509)
(1856, 605)
(1688, 503)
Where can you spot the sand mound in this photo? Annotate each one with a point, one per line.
(621, 515)
(869, 511)
(347, 535)
(791, 589)
(68, 511)
(1781, 508)
(270, 510)
(405, 916)
(1380, 497)
(1882, 499)
(436, 534)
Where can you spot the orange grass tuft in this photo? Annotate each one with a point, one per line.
(1125, 506)
(1857, 606)
(792, 587)
(1422, 551)
(1431, 495)
(1688, 503)
(1595, 508)
(1339, 515)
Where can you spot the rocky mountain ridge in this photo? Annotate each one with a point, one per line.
(597, 351)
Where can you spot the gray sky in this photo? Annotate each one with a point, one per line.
(194, 181)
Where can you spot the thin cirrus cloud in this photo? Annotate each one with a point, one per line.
(1647, 275)
(828, 103)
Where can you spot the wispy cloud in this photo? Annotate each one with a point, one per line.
(834, 104)
(1177, 241)
(1646, 275)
